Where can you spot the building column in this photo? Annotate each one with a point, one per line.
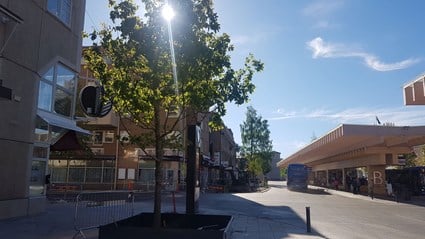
(376, 179)
(327, 178)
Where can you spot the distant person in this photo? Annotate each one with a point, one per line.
(389, 188)
(336, 183)
(355, 184)
(348, 183)
(47, 179)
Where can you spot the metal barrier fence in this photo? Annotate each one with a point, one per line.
(94, 209)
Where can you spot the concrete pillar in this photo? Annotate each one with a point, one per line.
(376, 179)
(327, 178)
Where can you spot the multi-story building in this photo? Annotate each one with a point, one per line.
(224, 157)
(117, 164)
(40, 52)
(274, 173)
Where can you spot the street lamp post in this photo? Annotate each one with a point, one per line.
(168, 14)
(192, 187)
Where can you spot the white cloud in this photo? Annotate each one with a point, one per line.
(374, 63)
(323, 49)
(404, 116)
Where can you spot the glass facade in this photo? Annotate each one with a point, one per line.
(37, 179)
(41, 130)
(61, 9)
(82, 171)
(57, 90)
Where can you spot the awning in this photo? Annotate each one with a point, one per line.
(67, 142)
(5, 93)
(60, 121)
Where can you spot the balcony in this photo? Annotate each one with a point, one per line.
(110, 120)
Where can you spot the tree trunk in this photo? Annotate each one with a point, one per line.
(159, 151)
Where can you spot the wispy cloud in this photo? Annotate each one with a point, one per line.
(399, 116)
(324, 24)
(262, 34)
(322, 8)
(321, 12)
(322, 49)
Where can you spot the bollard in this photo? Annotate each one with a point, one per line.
(307, 212)
(174, 201)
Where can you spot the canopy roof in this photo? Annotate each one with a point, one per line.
(348, 138)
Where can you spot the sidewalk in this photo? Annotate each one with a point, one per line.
(415, 200)
(58, 220)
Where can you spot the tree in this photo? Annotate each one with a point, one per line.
(255, 165)
(416, 158)
(133, 61)
(283, 173)
(256, 143)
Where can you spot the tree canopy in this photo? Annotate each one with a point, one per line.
(256, 143)
(132, 58)
(416, 158)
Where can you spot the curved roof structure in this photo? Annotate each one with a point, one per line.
(349, 140)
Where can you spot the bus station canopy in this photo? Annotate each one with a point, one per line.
(347, 140)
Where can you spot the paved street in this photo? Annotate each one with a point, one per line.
(275, 213)
(336, 215)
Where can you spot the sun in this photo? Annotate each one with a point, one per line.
(168, 12)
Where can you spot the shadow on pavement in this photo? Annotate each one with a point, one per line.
(319, 191)
(254, 220)
(251, 219)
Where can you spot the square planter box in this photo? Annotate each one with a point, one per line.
(173, 226)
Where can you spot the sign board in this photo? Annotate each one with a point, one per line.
(121, 173)
(131, 173)
(92, 102)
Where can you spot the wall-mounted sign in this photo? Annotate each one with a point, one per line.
(93, 103)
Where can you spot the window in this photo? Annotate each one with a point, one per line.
(38, 173)
(109, 137)
(98, 151)
(38, 169)
(41, 130)
(82, 171)
(56, 92)
(173, 112)
(147, 175)
(40, 152)
(8, 24)
(108, 175)
(94, 175)
(76, 175)
(61, 9)
(98, 137)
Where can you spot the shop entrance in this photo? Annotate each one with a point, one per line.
(356, 180)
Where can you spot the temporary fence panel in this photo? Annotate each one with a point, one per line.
(93, 209)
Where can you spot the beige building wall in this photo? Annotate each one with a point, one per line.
(34, 45)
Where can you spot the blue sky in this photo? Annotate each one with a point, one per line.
(327, 62)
